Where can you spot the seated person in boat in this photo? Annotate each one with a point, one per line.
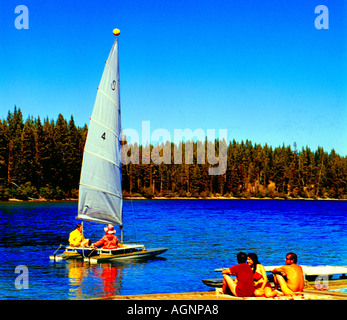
(76, 238)
(290, 277)
(243, 285)
(109, 240)
(262, 286)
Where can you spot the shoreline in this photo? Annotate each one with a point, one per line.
(12, 200)
(231, 198)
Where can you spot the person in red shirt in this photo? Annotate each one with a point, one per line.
(109, 240)
(243, 286)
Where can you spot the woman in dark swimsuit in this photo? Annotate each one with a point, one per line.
(262, 285)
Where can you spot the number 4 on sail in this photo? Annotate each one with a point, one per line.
(100, 191)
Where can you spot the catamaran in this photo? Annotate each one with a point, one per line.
(100, 190)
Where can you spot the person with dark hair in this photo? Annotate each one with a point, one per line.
(262, 286)
(292, 256)
(243, 285)
(290, 277)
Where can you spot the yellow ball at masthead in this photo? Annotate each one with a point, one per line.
(116, 32)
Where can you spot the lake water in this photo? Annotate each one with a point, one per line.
(201, 235)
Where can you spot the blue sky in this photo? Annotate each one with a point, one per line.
(259, 69)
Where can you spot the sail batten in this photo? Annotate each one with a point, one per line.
(100, 190)
(100, 157)
(109, 98)
(116, 135)
(97, 189)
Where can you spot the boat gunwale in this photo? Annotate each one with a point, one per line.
(104, 251)
(110, 257)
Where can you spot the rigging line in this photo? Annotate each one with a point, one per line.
(105, 127)
(132, 208)
(83, 237)
(98, 189)
(103, 158)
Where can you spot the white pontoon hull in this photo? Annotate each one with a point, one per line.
(93, 255)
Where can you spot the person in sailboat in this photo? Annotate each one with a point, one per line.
(76, 238)
(109, 240)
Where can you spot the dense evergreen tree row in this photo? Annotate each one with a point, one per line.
(44, 160)
(40, 159)
(252, 171)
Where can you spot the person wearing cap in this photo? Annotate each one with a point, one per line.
(109, 240)
(76, 238)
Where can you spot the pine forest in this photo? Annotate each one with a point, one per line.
(42, 160)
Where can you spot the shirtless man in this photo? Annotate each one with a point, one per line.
(290, 277)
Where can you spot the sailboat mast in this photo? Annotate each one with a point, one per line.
(116, 32)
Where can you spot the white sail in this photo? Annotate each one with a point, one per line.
(100, 191)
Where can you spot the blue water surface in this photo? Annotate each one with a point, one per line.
(201, 235)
